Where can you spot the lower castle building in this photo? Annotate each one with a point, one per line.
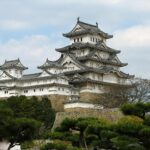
(87, 67)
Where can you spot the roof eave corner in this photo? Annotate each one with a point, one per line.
(65, 35)
(39, 67)
(26, 68)
(110, 36)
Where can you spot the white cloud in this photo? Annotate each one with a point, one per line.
(32, 50)
(37, 13)
(137, 36)
(135, 45)
(13, 25)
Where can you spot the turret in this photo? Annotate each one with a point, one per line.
(52, 66)
(13, 67)
(84, 32)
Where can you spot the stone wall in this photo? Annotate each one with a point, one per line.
(114, 97)
(57, 102)
(109, 114)
(90, 97)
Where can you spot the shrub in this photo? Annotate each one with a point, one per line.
(147, 120)
(126, 143)
(129, 125)
(138, 109)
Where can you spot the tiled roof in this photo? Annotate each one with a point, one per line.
(87, 29)
(102, 70)
(37, 76)
(100, 82)
(98, 46)
(13, 64)
(51, 64)
(30, 76)
(101, 60)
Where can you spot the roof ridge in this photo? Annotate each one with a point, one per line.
(87, 24)
(32, 74)
(12, 60)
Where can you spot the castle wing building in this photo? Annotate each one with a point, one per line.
(87, 66)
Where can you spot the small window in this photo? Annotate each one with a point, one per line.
(77, 39)
(6, 92)
(74, 40)
(41, 89)
(25, 91)
(81, 39)
(34, 90)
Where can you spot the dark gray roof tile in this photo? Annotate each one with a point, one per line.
(13, 64)
(98, 46)
(88, 29)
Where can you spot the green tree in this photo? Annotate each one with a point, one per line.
(40, 110)
(22, 129)
(138, 109)
(23, 119)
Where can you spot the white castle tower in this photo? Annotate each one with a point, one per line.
(86, 69)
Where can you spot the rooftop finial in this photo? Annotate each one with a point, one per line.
(78, 19)
(97, 24)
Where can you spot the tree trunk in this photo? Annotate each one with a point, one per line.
(85, 143)
(10, 146)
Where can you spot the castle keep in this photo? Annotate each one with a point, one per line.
(87, 68)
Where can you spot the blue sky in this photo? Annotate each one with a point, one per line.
(32, 29)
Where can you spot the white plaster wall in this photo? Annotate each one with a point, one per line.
(3, 76)
(93, 64)
(43, 81)
(4, 145)
(46, 91)
(87, 38)
(110, 78)
(70, 66)
(81, 52)
(8, 93)
(101, 54)
(54, 70)
(125, 81)
(15, 72)
(82, 105)
(28, 90)
(93, 88)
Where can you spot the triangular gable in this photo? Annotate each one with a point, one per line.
(116, 60)
(68, 62)
(77, 28)
(45, 64)
(44, 74)
(19, 64)
(5, 76)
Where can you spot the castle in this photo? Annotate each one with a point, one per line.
(87, 67)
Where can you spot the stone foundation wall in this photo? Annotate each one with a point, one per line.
(108, 114)
(58, 101)
(111, 99)
(90, 97)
